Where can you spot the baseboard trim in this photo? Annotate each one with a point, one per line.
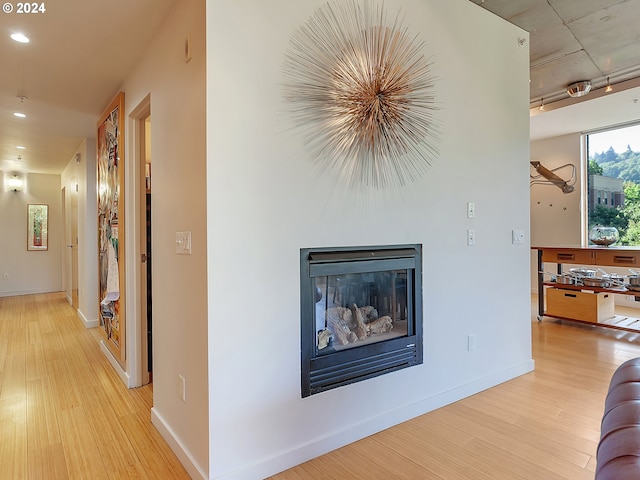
(124, 376)
(353, 433)
(87, 323)
(20, 293)
(187, 460)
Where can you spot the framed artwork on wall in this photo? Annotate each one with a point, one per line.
(111, 272)
(37, 227)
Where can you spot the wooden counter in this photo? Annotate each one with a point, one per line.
(625, 257)
(628, 257)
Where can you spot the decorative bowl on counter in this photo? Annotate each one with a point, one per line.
(603, 236)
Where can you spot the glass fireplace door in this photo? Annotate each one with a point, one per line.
(359, 308)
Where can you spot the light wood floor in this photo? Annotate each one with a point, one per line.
(542, 426)
(64, 414)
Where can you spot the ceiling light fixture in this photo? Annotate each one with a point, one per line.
(20, 37)
(579, 89)
(21, 147)
(19, 114)
(609, 87)
(541, 107)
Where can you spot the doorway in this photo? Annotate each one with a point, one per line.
(73, 194)
(145, 234)
(70, 216)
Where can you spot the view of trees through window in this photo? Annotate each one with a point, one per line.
(614, 182)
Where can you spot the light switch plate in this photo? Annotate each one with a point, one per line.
(517, 236)
(471, 210)
(183, 243)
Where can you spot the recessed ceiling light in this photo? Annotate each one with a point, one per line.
(19, 114)
(21, 147)
(19, 37)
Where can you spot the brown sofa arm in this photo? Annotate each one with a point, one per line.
(618, 456)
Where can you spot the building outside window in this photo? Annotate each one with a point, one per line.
(613, 181)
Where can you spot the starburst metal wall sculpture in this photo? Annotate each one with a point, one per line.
(362, 94)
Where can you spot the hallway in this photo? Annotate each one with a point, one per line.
(64, 413)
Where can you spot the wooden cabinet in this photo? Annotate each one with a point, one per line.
(566, 255)
(585, 304)
(628, 258)
(599, 256)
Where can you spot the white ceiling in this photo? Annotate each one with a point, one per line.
(80, 53)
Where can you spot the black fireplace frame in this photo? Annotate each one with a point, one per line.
(338, 368)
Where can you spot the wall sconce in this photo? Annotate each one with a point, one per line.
(550, 178)
(14, 182)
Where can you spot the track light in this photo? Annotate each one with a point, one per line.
(609, 87)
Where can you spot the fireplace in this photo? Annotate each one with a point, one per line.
(361, 313)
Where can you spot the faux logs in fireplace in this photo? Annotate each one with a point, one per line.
(361, 313)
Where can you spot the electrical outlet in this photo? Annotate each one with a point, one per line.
(471, 237)
(182, 388)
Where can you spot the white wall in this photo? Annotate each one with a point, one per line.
(88, 234)
(30, 271)
(84, 174)
(266, 201)
(177, 93)
(556, 217)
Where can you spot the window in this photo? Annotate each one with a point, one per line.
(613, 192)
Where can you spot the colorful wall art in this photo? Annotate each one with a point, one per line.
(37, 227)
(110, 143)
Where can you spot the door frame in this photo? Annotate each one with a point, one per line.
(69, 195)
(137, 351)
